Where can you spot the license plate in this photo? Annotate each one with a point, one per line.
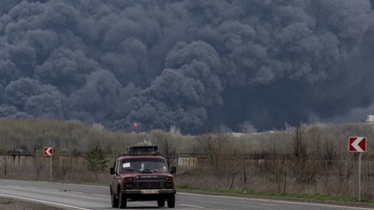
(149, 191)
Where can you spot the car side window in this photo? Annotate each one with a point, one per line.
(116, 166)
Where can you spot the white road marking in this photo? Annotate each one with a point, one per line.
(77, 192)
(193, 206)
(46, 202)
(50, 189)
(32, 187)
(98, 195)
(279, 201)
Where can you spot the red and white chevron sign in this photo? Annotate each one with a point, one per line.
(48, 151)
(357, 144)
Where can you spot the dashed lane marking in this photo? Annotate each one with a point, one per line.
(104, 196)
(193, 206)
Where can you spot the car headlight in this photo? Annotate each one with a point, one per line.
(129, 185)
(168, 185)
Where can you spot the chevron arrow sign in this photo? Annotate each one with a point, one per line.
(357, 144)
(48, 151)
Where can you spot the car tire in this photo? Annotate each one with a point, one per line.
(161, 203)
(171, 201)
(122, 201)
(114, 200)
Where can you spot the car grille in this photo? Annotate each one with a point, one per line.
(148, 185)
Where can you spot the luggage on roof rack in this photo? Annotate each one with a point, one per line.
(142, 149)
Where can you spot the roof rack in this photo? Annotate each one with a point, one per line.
(141, 150)
(142, 154)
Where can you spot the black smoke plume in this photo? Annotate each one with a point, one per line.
(190, 63)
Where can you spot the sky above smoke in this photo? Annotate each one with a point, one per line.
(192, 64)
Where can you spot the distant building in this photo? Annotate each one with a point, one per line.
(369, 119)
(237, 134)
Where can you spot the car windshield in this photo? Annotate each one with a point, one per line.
(143, 165)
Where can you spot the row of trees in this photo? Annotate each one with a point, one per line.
(34, 134)
(30, 134)
(318, 159)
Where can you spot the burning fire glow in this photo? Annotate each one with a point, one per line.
(137, 125)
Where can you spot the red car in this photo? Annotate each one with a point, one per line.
(142, 174)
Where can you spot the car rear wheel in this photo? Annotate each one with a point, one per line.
(122, 201)
(171, 201)
(161, 203)
(114, 200)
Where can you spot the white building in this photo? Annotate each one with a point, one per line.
(369, 119)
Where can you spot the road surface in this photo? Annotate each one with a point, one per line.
(87, 197)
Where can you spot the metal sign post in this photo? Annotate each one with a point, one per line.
(50, 169)
(48, 151)
(357, 144)
(359, 176)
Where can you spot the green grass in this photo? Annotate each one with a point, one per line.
(317, 196)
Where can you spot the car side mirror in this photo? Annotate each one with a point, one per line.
(173, 170)
(112, 171)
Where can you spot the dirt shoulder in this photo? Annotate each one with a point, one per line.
(301, 200)
(18, 204)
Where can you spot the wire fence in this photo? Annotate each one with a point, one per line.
(248, 156)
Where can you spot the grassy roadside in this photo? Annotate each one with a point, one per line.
(301, 197)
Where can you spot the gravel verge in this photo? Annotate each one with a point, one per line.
(18, 204)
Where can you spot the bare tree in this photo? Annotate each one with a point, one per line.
(299, 144)
(165, 142)
(213, 145)
(38, 164)
(344, 167)
(98, 127)
(247, 127)
(61, 166)
(4, 162)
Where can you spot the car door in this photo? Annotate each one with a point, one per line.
(115, 178)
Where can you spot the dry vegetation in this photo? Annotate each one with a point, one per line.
(17, 204)
(317, 161)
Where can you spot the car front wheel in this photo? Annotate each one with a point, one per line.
(122, 201)
(161, 203)
(114, 200)
(171, 201)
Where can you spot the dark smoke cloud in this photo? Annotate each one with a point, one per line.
(186, 63)
(1, 93)
(32, 97)
(66, 69)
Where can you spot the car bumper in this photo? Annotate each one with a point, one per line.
(139, 192)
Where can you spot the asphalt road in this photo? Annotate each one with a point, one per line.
(84, 197)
